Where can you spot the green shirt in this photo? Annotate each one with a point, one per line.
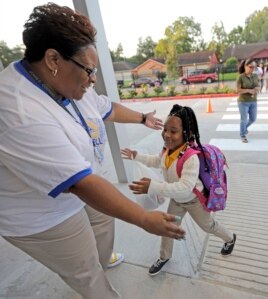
(247, 82)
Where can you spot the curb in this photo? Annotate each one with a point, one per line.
(200, 96)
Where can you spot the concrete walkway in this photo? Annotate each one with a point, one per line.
(197, 270)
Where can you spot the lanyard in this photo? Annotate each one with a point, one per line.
(30, 75)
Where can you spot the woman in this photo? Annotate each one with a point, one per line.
(52, 204)
(248, 88)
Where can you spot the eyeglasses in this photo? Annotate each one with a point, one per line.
(90, 72)
(250, 66)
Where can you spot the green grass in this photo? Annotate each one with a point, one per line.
(228, 77)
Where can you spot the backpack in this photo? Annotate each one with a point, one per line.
(211, 173)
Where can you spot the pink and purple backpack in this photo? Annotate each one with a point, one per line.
(212, 174)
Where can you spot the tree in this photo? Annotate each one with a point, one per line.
(235, 36)
(219, 39)
(146, 48)
(231, 61)
(183, 36)
(8, 55)
(117, 55)
(256, 27)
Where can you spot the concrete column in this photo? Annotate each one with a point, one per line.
(106, 84)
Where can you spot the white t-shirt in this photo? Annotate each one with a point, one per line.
(43, 151)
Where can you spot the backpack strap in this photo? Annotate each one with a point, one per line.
(187, 154)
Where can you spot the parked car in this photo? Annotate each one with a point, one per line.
(140, 81)
(199, 76)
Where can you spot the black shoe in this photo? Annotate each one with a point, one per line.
(157, 266)
(228, 247)
(244, 139)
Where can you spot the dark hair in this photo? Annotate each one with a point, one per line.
(189, 123)
(241, 68)
(56, 27)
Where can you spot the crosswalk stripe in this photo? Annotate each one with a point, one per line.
(236, 127)
(259, 145)
(237, 116)
(260, 97)
(259, 103)
(235, 109)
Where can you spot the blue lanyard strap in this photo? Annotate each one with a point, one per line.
(24, 68)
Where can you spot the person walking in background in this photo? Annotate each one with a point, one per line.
(180, 130)
(261, 75)
(53, 206)
(266, 77)
(247, 87)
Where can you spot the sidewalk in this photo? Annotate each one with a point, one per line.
(197, 270)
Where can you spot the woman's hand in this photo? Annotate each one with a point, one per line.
(140, 187)
(161, 224)
(153, 122)
(129, 154)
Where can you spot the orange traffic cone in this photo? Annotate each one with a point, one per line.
(209, 106)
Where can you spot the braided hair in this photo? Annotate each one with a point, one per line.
(189, 125)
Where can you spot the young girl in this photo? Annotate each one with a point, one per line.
(180, 129)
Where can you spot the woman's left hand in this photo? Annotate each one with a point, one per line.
(140, 187)
(153, 122)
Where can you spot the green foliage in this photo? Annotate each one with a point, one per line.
(132, 93)
(117, 55)
(120, 92)
(146, 48)
(8, 55)
(203, 90)
(180, 37)
(161, 75)
(216, 89)
(144, 90)
(185, 91)
(219, 37)
(158, 90)
(231, 61)
(171, 90)
(256, 27)
(235, 36)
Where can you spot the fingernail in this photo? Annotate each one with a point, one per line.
(177, 218)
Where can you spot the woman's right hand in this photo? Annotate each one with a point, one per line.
(127, 153)
(162, 224)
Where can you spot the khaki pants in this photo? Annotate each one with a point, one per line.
(77, 250)
(203, 218)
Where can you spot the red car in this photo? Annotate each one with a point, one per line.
(199, 76)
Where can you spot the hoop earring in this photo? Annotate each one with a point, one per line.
(54, 72)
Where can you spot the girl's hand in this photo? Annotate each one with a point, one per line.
(140, 187)
(153, 122)
(127, 153)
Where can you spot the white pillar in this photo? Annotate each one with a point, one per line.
(106, 84)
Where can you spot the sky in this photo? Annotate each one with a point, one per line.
(126, 21)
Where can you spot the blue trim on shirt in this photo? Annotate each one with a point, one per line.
(70, 182)
(108, 113)
(18, 66)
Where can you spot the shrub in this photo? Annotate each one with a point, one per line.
(158, 90)
(132, 93)
(171, 91)
(185, 91)
(203, 90)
